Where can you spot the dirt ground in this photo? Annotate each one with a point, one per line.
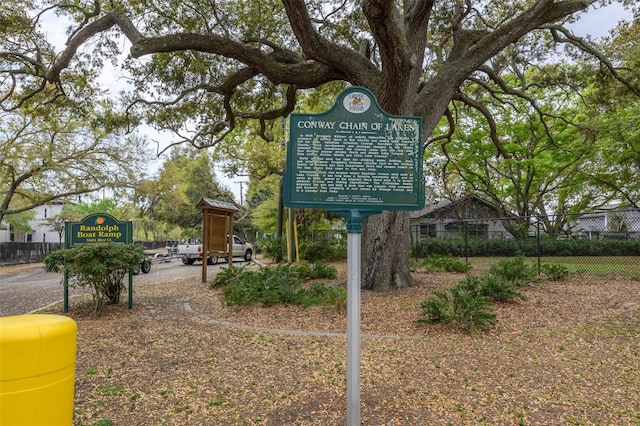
(567, 355)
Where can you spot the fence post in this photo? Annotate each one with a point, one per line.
(414, 241)
(538, 241)
(466, 243)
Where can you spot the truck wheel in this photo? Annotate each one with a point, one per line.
(212, 260)
(145, 266)
(187, 261)
(247, 255)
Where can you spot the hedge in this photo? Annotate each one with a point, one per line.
(479, 247)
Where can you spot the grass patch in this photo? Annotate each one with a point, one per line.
(599, 266)
(439, 263)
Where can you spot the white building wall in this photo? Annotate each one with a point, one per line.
(41, 231)
(5, 235)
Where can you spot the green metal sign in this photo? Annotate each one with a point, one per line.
(98, 228)
(354, 156)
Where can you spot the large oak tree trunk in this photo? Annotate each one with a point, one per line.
(385, 251)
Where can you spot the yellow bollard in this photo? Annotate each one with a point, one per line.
(37, 370)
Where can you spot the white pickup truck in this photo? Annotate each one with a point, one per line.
(191, 253)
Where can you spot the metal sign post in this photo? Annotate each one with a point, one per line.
(354, 230)
(353, 328)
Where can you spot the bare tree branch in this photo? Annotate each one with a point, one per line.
(475, 48)
(446, 136)
(583, 45)
(353, 67)
(493, 128)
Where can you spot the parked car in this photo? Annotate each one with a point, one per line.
(192, 253)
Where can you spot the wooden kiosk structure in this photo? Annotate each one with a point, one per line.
(217, 231)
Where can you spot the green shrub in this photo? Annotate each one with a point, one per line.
(514, 270)
(306, 271)
(273, 247)
(493, 287)
(469, 302)
(226, 275)
(555, 271)
(441, 246)
(321, 294)
(99, 266)
(461, 305)
(437, 309)
(301, 270)
(333, 250)
(323, 270)
(495, 246)
(281, 284)
(549, 246)
(267, 286)
(471, 309)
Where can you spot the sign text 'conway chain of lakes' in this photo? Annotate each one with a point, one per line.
(355, 156)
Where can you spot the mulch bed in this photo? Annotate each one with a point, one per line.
(568, 354)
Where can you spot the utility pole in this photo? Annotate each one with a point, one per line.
(241, 183)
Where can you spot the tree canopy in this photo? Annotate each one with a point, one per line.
(580, 155)
(203, 69)
(183, 179)
(50, 152)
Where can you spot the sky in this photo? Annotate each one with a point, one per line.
(595, 23)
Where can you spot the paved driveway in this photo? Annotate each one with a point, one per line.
(25, 288)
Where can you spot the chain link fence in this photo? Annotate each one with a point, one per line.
(604, 243)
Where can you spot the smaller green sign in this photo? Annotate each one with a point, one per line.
(98, 228)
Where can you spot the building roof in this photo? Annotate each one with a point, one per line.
(446, 203)
(429, 208)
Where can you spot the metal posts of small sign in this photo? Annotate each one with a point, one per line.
(355, 160)
(96, 228)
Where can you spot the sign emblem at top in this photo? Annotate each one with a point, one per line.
(356, 102)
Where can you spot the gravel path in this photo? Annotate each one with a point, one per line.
(25, 288)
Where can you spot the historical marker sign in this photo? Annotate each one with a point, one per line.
(355, 156)
(355, 160)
